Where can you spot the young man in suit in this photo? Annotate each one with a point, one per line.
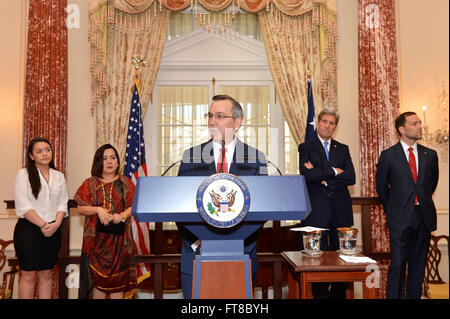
(406, 178)
(225, 117)
(328, 170)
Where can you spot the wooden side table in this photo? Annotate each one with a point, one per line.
(304, 270)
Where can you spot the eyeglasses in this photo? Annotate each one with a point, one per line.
(218, 116)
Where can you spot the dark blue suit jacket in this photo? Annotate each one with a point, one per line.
(397, 189)
(334, 197)
(199, 161)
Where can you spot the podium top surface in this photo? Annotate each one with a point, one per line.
(164, 199)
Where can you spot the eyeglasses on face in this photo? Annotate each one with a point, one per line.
(217, 116)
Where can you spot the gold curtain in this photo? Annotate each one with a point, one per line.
(116, 37)
(299, 35)
(295, 45)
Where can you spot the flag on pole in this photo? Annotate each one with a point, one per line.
(310, 122)
(135, 166)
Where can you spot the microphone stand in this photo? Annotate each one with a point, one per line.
(223, 155)
(173, 164)
(269, 162)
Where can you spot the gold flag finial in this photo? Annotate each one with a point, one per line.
(137, 65)
(137, 62)
(308, 74)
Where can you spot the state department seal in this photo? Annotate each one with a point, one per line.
(223, 200)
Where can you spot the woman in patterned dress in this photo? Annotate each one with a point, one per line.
(107, 259)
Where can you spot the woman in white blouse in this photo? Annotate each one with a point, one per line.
(40, 195)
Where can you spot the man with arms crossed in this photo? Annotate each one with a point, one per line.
(328, 170)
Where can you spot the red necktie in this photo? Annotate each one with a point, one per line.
(413, 168)
(225, 163)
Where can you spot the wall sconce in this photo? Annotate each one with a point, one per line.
(436, 136)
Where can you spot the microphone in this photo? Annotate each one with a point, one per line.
(253, 160)
(223, 155)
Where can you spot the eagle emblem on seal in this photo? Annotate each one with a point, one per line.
(221, 204)
(223, 200)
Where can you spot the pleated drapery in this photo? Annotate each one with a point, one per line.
(297, 46)
(45, 101)
(116, 37)
(378, 100)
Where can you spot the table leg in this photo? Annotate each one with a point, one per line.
(294, 287)
(350, 291)
(368, 293)
(305, 287)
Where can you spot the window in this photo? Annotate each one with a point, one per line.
(255, 101)
(184, 22)
(184, 88)
(181, 124)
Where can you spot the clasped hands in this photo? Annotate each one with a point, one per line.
(49, 229)
(309, 165)
(105, 217)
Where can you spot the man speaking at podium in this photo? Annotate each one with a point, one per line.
(223, 153)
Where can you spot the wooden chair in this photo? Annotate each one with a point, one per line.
(434, 286)
(6, 289)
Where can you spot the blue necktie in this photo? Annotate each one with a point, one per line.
(325, 146)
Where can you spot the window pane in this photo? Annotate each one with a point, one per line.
(291, 151)
(181, 122)
(255, 101)
(185, 22)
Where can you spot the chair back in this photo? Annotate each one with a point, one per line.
(3, 245)
(434, 256)
(7, 284)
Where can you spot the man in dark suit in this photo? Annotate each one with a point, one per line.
(328, 170)
(407, 176)
(223, 153)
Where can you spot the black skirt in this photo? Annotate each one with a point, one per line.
(33, 249)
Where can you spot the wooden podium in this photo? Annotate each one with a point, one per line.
(222, 269)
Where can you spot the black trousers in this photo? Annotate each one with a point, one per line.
(409, 249)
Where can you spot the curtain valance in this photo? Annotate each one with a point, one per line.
(288, 7)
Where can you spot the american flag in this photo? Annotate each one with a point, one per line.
(310, 122)
(135, 166)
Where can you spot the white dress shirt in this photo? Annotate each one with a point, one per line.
(229, 153)
(322, 141)
(416, 154)
(52, 198)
